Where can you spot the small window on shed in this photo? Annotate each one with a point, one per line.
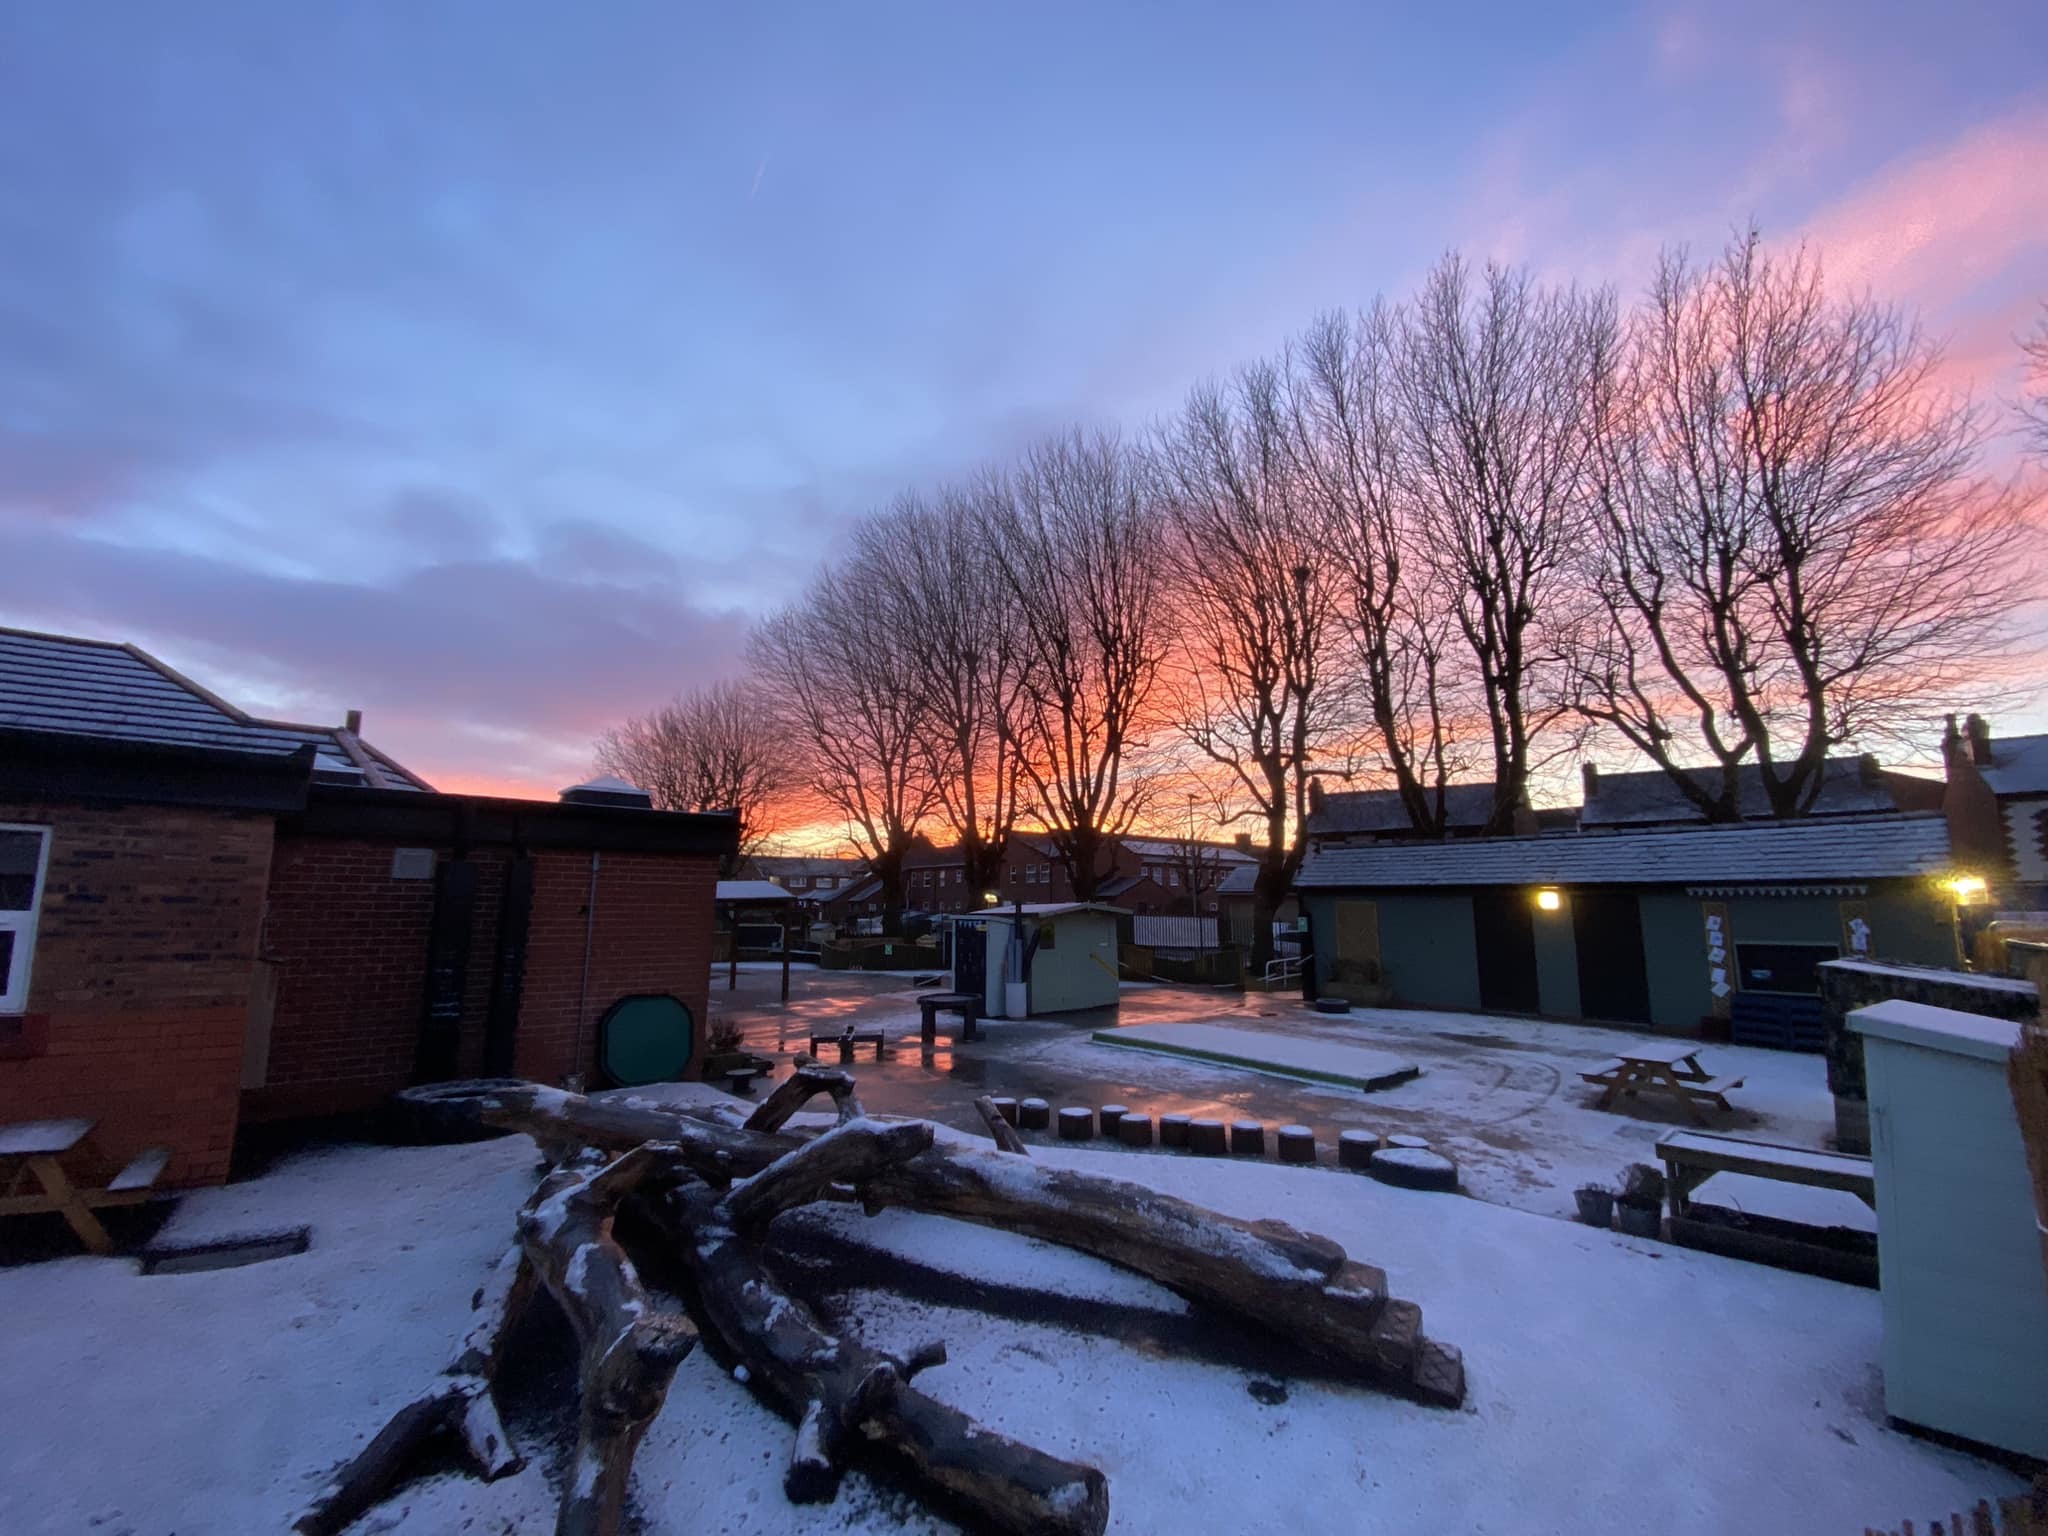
(1793, 968)
(1047, 935)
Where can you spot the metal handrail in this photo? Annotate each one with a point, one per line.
(1287, 968)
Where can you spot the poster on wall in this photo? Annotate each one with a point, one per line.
(1720, 985)
(1855, 930)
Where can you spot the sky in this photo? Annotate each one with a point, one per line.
(489, 367)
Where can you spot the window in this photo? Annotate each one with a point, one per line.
(23, 853)
(1793, 968)
(828, 882)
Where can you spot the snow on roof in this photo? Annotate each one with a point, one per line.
(1173, 847)
(1938, 1029)
(1834, 848)
(103, 691)
(764, 891)
(1849, 786)
(1241, 881)
(1040, 909)
(1381, 810)
(2019, 765)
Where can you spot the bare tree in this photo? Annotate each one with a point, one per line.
(941, 586)
(2034, 396)
(1255, 610)
(1794, 545)
(846, 678)
(1079, 548)
(1348, 441)
(1493, 376)
(712, 749)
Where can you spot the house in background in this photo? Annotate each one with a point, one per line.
(2003, 784)
(1339, 818)
(208, 918)
(1850, 786)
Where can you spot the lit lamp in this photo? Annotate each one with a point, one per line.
(990, 898)
(1966, 889)
(1549, 899)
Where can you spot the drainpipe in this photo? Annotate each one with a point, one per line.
(583, 987)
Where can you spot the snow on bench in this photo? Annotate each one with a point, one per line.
(1693, 1156)
(141, 1174)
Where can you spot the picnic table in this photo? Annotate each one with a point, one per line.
(32, 1150)
(1671, 1068)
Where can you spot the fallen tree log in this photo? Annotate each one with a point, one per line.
(845, 1398)
(1268, 1274)
(459, 1399)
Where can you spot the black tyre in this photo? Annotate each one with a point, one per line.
(434, 1114)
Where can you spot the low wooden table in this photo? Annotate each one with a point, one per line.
(930, 1006)
(31, 1150)
(1691, 1158)
(1672, 1069)
(847, 1039)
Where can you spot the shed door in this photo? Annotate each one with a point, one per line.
(1506, 938)
(970, 958)
(1614, 982)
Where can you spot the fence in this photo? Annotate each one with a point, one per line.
(1171, 932)
(2024, 1514)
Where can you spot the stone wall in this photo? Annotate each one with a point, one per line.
(1847, 985)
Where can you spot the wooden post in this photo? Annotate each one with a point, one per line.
(785, 955)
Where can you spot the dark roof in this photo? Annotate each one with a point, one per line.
(1380, 810)
(1893, 846)
(1241, 881)
(96, 689)
(1850, 786)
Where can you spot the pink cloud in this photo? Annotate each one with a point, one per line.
(1933, 228)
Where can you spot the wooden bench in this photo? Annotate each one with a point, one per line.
(1692, 1157)
(846, 1040)
(930, 1006)
(31, 1150)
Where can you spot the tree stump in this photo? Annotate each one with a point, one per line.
(1007, 1108)
(1419, 1143)
(1109, 1114)
(1173, 1130)
(1207, 1137)
(1248, 1138)
(1134, 1130)
(1077, 1123)
(1297, 1144)
(1033, 1114)
(1355, 1148)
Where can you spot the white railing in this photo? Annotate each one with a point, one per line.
(1286, 968)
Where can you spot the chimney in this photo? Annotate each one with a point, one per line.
(1315, 795)
(353, 722)
(1868, 769)
(1243, 842)
(1979, 730)
(1589, 776)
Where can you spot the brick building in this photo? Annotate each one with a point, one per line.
(206, 918)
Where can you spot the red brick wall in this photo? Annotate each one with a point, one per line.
(143, 961)
(652, 933)
(351, 944)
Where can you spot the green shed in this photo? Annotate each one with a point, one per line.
(1677, 928)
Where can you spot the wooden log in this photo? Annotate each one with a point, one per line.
(1107, 1118)
(460, 1399)
(845, 1398)
(1134, 1130)
(1173, 1130)
(1033, 1114)
(1355, 1148)
(798, 1089)
(999, 1127)
(1077, 1123)
(1296, 1144)
(1248, 1138)
(629, 1348)
(1206, 1137)
(1006, 1107)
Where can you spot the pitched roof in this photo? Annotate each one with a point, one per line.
(1381, 810)
(761, 892)
(1241, 881)
(1177, 848)
(2018, 766)
(1826, 849)
(99, 690)
(1850, 786)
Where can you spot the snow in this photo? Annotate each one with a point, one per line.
(1937, 1029)
(1976, 980)
(1265, 1051)
(1600, 1368)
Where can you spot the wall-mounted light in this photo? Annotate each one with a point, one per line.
(1549, 899)
(990, 899)
(1966, 889)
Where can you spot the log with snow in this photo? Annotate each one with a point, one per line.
(704, 1196)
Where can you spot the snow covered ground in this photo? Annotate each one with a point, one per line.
(1608, 1377)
